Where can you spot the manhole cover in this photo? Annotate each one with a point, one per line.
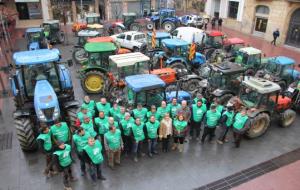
(6, 141)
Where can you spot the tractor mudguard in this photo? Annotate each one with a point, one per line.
(252, 114)
(154, 18)
(69, 104)
(21, 113)
(191, 76)
(173, 20)
(171, 60)
(121, 25)
(65, 77)
(90, 68)
(219, 92)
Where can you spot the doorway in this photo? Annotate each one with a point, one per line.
(293, 35)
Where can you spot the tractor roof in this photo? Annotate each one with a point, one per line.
(32, 30)
(228, 68)
(51, 22)
(215, 33)
(101, 39)
(128, 59)
(100, 47)
(144, 82)
(95, 26)
(261, 85)
(92, 15)
(88, 33)
(250, 50)
(160, 35)
(129, 14)
(230, 41)
(39, 56)
(282, 60)
(174, 42)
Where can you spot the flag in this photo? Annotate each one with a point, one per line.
(192, 49)
(153, 40)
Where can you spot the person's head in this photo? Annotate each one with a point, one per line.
(112, 128)
(243, 111)
(153, 108)
(84, 110)
(103, 100)
(139, 106)
(199, 103)
(111, 120)
(138, 121)
(174, 101)
(199, 96)
(57, 123)
(122, 109)
(61, 145)
(87, 99)
(184, 103)
(163, 104)
(91, 141)
(216, 102)
(213, 107)
(167, 116)
(127, 116)
(180, 117)
(80, 131)
(101, 114)
(44, 130)
(115, 105)
(152, 119)
(86, 119)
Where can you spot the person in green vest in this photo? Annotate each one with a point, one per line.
(152, 112)
(93, 156)
(104, 106)
(45, 144)
(184, 110)
(173, 107)
(101, 123)
(199, 97)
(80, 139)
(90, 104)
(84, 112)
(112, 122)
(162, 110)
(198, 111)
(138, 138)
(60, 132)
(219, 107)
(152, 130)
(114, 111)
(88, 126)
(226, 123)
(113, 144)
(140, 112)
(121, 114)
(211, 121)
(179, 132)
(126, 126)
(240, 125)
(63, 159)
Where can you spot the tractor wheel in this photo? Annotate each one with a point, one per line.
(206, 20)
(282, 85)
(177, 66)
(259, 125)
(118, 30)
(79, 56)
(209, 53)
(225, 98)
(136, 49)
(192, 85)
(71, 116)
(150, 25)
(249, 72)
(25, 134)
(168, 26)
(135, 27)
(93, 82)
(287, 118)
(61, 37)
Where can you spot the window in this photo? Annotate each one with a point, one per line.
(261, 9)
(29, 10)
(233, 9)
(121, 36)
(262, 14)
(128, 37)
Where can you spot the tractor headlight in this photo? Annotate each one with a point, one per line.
(41, 116)
(55, 113)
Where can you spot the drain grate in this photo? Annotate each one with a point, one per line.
(6, 141)
(253, 172)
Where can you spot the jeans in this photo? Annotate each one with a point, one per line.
(137, 147)
(178, 140)
(67, 175)
(152, 145)
(127, 144)
(95, 171)
(195, 126)
(223, 133)
(237, 139)
(208, 131)
(82, 162)
(114, 156)
(165, 143)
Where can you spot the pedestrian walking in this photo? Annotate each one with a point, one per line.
(138, 138)
(276, 34)
(104, 106)
(60, 132)
(240, 126)
(179, 132)
(165, 132)
(101, 123)
(162, 110)
(126, 126)
(173, 107)
(152, 130)
(152, 112)
(226, 123)
(211, 120)
(88, 126)
(113, 144)
(90, 104)
(198, 111)
(140, 112)
(220, 22)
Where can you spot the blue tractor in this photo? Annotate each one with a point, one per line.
(43, 92)
(35, 38)
(165, 19)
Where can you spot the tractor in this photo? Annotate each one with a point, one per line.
(130, 22)
(52, 31)
(159, 36)
(43, 92)
(35, 38)
(281, 70)
(91, 19)
(264, 102)
(165, 19)
(213, 40)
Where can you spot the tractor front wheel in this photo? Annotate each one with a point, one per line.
(25, 134)
(168, 26)
(79, 56)
(287, 118)
(135, 27)
(150, 25)
(259, 125)
(93, 82)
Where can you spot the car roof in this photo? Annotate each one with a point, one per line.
(99, 47)
(34, 57)
(261, 85)
(51, 21)
(283, 60)
(31, 30)
(87, 33)
(128, 59)
(250, 50)
(234, 41)
(174, 42)
(144, 82)
(160, 34)
(215, 33)
(228, 68)
(189, 29)
(101, 39)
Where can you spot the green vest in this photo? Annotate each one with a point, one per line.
(105, 108)
(113, 139)
(64, 156)
(162, 111)
(230, 116)
(114, 112)
(240, 121)
(60, 133)
(179, 126)
(47, 140)
(102, 124)
(120, 116)
(81, 141)
(173, 109)
(140, 114)
(94, 152)
(198, 112)
(203, 100)
(212, 118)
(138, 132)
(81, 116)
(127, 125)
(152, 129)
(155, 114)
(89, 127)
(91, 106)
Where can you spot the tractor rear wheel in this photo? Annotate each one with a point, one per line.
(93, 82)
(71, 116)
(25, 134)
(150, 25)
(135, 27)
(259, 125)
(191, 85)
(168, 26)
(287, 118)
(79, 56)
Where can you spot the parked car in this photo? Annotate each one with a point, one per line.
(132, 40)
(191, 20)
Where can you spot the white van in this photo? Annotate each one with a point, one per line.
(187, 34)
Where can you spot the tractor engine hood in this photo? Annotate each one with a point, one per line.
(45, 102)
(34, 46)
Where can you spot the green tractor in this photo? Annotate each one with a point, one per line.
(52, 31)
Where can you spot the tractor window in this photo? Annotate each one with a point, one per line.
(138, 68)
(273, 68)
(249, 97)
(287, 70)
(254, 59)
(217, 80)
(92, 20)
(99, 58)
(34, 36)
(218, 39)
(46, 27)
(55, 26)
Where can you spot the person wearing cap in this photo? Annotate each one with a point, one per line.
(173, 107)
(165, 131)
(140, 112)
(179, 132)
(152, 129)
(104, 106)
(88, 126)
(240, 125)
(45, 144)
(162, 110)
(198, 111)
(93, 156)
(152, 112)
(63, 159)
(211, 121)
(90, 104)
(184, 110)
(138, 138)
(101, 124)
(60, 132)
(126, 126)
(121, 114)
(80, 139)
(84, 111)
(226, 123)
(113, 145)
(114, 111)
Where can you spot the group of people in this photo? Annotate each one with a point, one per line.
(101, 128)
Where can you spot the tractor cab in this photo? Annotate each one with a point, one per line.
(92, 18)
(128, 19)
(159, 37)
(35, 38)
(250, 58)
(84, 35)
(175, 47)
(52, 31)
(214, 39)
(232, 45)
